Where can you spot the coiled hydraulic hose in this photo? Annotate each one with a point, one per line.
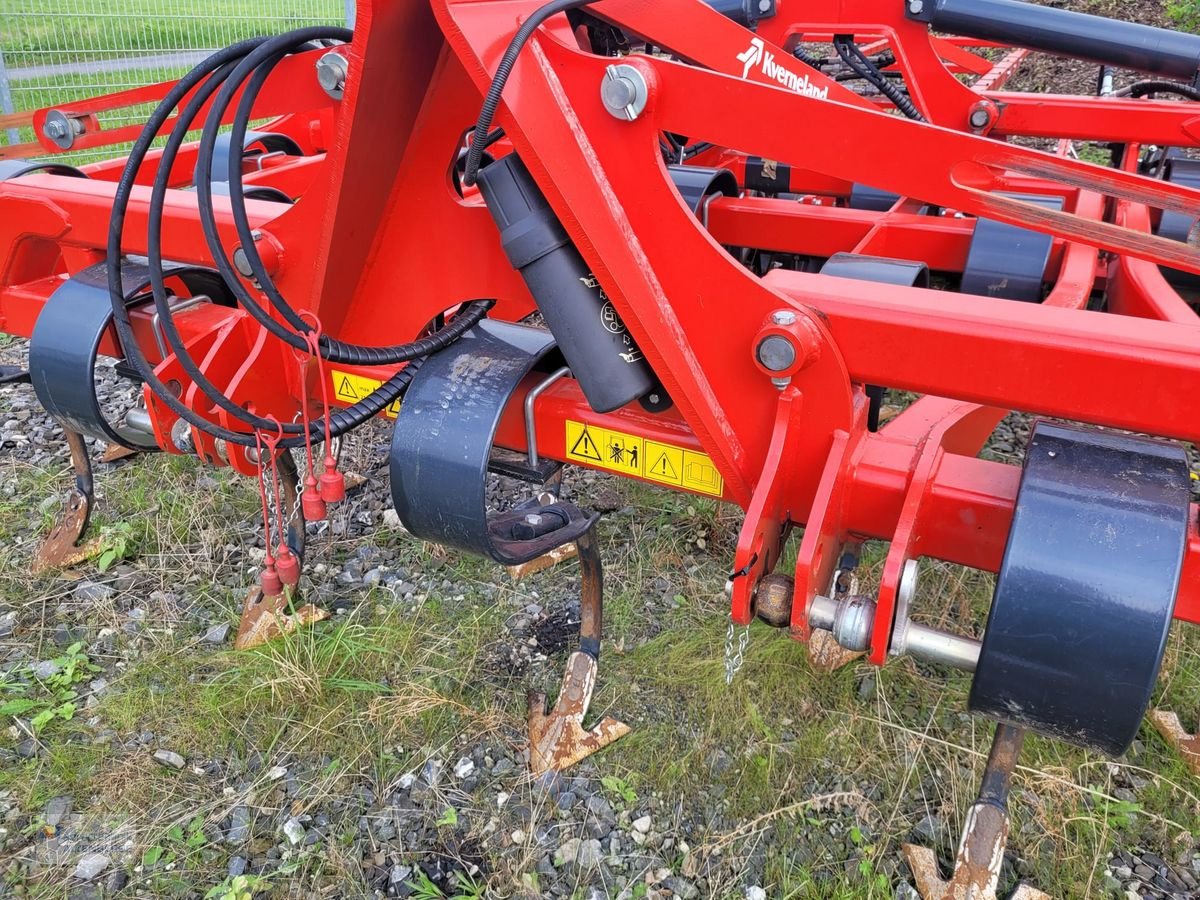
(215, 71)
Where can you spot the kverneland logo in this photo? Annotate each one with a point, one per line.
(758, 55)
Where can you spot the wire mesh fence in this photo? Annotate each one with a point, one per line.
(53, 52)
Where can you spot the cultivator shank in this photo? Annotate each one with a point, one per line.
(744, 227)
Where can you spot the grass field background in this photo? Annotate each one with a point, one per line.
(73, 49)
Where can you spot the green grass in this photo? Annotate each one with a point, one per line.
(1184, 14)
(786, 751)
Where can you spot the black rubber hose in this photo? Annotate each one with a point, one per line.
(1142, 88)
(807, 58)
(257, 66)
(491, 102)
(347, 418)
(852, 56)
(116, 227)
(340, 421)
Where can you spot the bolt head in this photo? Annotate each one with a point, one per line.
(533, 519)
(783, 317)
(618, 93)
(980, 118)
(54, 130)
(916, 7)
(764, 6)
(776, 353)
(242, 263)
(181, 437)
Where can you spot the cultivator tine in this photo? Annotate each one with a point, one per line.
(557, 739)
(1173, 733)
(985, 834)
(61, 546)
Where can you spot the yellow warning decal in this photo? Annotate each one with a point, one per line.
(627, 454)
(350, 388)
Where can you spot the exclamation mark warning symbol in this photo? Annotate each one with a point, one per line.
(585, 448)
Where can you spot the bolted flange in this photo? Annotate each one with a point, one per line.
(624, 91)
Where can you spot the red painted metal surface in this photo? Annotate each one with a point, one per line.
(380, 241)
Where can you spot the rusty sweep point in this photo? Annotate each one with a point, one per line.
(114, 453)
(1173, 733)
(557, 739)
(543, 562)
(977, 865)
(60, 548)
(266, 617)
(985, 835)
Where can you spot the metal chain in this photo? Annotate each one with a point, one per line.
(734, 660)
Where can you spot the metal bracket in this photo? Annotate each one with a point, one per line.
(443, 441)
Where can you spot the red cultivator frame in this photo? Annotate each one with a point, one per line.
(733, 252)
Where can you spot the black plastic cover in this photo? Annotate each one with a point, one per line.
(696, 183)
(443, 440)
(66, 340)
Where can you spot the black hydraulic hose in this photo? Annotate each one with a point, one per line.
(258, 65)
(491, 102)
(1142, 88)
(116, 226)
(852, 56)
(807, 58)
(154, 261)
(355, 414)
(340, 421)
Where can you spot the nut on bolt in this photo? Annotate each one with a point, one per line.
(624, 91)
(332, 69)
(62, 129)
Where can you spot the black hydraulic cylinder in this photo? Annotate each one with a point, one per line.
(1094, 38)
(596, 344)
(744, 12)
